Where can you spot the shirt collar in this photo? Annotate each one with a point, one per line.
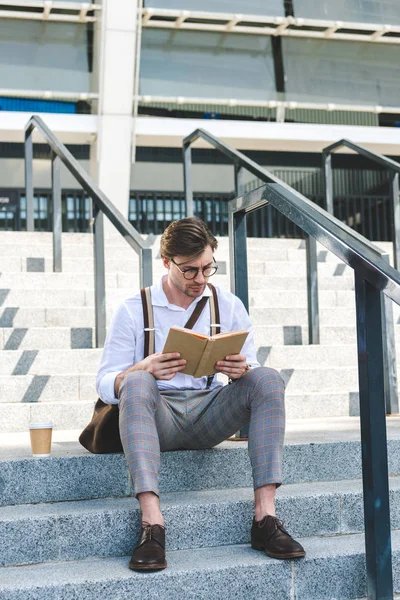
(158, 297)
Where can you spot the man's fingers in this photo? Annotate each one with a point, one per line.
(170, 369)
(169, 356)
(235, 358)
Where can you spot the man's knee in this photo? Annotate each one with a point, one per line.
(138, 386)
(268, 386)
(266, 376)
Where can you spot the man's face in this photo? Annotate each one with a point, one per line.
(193, 287)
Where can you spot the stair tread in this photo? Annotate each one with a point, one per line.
(181, 563)
(184, 499)
(16, 446)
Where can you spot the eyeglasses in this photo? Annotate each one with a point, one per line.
(192, 272)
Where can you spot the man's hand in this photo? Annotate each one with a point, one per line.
(234, 366)
(161, 366)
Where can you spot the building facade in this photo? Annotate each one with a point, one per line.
(122, 82)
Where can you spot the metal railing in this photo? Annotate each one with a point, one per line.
(101, 206)
(392, 400)
(394, 170)
(151, 211)
(240, 161)
(373, 275)
(239, 282)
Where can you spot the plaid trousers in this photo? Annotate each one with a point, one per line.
(151, 422)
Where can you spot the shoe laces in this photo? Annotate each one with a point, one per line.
(147, 531)
(278, 523)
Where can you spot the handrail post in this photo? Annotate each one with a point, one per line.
(239, 180)
(374, 443)
(394, 194)
(145, 267)
(389, 354)
(239, 272)
(99, 277)
(312, 290)
(328, 181)
(187, 179)
(30, 226)
(57, 212)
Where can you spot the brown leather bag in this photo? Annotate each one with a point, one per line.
(101, 435)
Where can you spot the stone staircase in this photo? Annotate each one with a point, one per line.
(69, 523)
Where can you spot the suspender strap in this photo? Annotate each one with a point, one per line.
(196, 313)
(148, 321)
(148, 317)
(215, 326)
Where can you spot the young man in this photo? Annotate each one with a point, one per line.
(163, 409)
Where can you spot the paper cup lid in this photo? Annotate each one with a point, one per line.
(44, 425)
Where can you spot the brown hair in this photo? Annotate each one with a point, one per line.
(186, 237)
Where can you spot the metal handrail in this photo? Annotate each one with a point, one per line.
(373, 275)
(101, 206)
(383, 161)
(239, 285)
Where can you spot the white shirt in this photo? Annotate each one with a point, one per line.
(124, 344)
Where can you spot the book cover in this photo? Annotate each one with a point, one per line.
(202, 351)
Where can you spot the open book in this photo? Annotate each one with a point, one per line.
(202, 351)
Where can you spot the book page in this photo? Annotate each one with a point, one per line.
(189, 343)
(218, 347)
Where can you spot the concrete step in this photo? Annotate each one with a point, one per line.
(212, 518)
(24, 315)
(297, 335)
(115, 257)
(46, 338)
(115, 239)
(58, 338)
(340, 316)
(47, 388)
(85, 361)
(259, 300)
(49, 362)
(60, 292)
(127, 271)
(68, 414)
(74, 387)
(334, 568)
(119, 287)
(316, 450)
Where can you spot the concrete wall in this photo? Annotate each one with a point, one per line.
(144, 176)
(12, 174)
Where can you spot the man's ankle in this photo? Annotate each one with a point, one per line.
(153, 520)
(259, 515)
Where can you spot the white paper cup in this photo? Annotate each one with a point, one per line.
(41, 439)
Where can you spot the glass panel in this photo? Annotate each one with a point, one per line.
(328, 71)
(255, 7)
(362, 11)
(132, 209)
(176, 209)
(168, 210)
(207, 65)
(39, 56)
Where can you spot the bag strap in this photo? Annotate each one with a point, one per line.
(148, 317)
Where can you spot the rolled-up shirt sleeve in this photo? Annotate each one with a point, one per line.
(118, 354)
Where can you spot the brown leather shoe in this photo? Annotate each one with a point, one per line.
(149, 554)
(270, 535)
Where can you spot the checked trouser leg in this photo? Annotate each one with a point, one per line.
(150, 422)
